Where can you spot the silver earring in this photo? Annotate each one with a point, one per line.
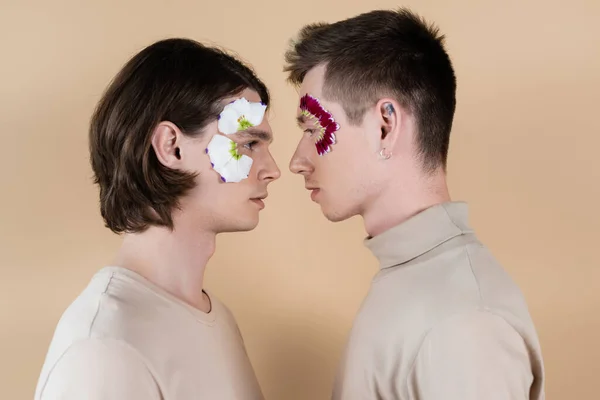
(383, 155)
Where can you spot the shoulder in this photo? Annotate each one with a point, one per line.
(219, 308)
(497, 289)
(99, 369)
(479, 326)
(472, 355)
(472, 340)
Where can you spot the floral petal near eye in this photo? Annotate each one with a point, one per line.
(240, 115)
(226, 160)
(312, 108)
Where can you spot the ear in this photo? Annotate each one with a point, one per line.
(166, 139)
(390, 114)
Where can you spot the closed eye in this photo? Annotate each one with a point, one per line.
(310, 132)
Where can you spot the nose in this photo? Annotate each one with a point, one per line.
(300, 162)
(271, 172)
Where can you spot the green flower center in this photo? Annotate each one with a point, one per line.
(243, 123)
(233, 151)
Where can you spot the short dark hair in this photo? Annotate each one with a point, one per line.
(383, 53)
(177, 80)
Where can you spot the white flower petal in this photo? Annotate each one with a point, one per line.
(219, 142)
(230, 169)
(235, 170)
(256, 113)
(218, 150)
(228, 121)
(241, 105)
(244, 165)
(229, 118)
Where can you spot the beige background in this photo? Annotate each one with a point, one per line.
(524, 153)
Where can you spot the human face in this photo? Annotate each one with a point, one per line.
(229, 206)
(343, 180)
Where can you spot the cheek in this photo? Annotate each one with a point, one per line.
(257, 163)
(347, 171)
(334, 173)
(196, 160)
(346, 156)
(217, 198)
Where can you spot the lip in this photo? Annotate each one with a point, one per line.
(259, 201)
(314, 193)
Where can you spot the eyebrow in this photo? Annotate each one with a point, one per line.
(253, 133)
(300, 120)
(303, 120)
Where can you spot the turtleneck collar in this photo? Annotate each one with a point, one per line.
(420, 234)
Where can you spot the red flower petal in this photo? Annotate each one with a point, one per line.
(312, 106)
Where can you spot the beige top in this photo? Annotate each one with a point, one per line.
(442, 320)
(124, 339)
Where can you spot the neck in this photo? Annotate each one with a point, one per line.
(400, 201)
(174, 260)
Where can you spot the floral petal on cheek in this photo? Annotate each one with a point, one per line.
(235, 170)
(244, 164)
(229, 164)
(330, 131)
(218, 150)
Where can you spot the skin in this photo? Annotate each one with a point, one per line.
(354, 179)
(176, 260)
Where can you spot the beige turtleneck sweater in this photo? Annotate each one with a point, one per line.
(442, 320)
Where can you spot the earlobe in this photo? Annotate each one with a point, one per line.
(165, 143)
(384, 155)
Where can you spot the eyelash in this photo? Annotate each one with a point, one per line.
(310, 132)
(250, 145)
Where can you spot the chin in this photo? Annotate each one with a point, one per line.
(336, 215)
(246, 224)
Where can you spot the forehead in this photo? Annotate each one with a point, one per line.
(261, 132)
(313, 82)
(248, 94)
(313, 86)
